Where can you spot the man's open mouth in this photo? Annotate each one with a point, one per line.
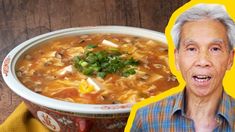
(201, 78)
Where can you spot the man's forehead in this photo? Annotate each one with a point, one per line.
(192, 41)
(203, 31)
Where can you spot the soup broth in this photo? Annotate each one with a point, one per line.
(97, 69)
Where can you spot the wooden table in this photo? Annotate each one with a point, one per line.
(23, 19)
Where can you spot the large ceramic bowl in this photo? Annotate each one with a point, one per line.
(65, 116)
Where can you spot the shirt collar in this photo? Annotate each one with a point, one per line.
(225, 109)
(179, 103)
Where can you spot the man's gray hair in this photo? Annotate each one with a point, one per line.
(200, 11)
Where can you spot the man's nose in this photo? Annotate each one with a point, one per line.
(203, 60)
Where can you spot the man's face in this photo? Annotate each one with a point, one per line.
(203, 56)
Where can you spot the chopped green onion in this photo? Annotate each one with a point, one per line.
(128, 72)
(101, 63)
(101, 74)
(83, 63)
(90, 46)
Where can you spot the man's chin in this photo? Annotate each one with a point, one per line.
(200, 91)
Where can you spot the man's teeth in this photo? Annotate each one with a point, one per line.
(202, 78)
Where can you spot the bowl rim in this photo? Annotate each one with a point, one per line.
(9, 75)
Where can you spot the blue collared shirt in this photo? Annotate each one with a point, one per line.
(168, 115)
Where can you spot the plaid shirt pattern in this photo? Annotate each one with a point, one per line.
(168, 115)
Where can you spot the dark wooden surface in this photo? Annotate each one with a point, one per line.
(23, 19)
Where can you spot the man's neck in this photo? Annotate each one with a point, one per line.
(202, 110)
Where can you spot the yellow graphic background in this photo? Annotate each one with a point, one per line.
(229, 80)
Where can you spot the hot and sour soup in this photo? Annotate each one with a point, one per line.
(97, 69)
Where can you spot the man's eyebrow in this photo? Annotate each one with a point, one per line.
(188, 41)
(218, 41)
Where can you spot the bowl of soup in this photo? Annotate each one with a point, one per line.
(87, 79)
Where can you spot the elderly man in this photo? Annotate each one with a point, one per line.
(204, 36)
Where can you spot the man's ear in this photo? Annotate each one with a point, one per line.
(176, 52)
(231, 59)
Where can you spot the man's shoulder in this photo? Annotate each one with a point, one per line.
(164, 105)
(232, 101)
(229, 99)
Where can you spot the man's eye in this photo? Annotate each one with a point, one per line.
(215, 49)
(191, 49)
